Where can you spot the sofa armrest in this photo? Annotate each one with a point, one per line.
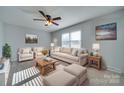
(19, 53)
(83, 55)
(83, 59)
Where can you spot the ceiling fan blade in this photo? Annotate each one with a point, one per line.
(55, 23)
(46, 24)
(42, 13)
(57, 18)
(39, 19)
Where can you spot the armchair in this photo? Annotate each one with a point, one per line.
(25, 54)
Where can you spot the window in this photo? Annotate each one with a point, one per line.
(72, 39)
(75, 38)
(65, 40)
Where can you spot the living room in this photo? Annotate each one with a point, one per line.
(77, 23)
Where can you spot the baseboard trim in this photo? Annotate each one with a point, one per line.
(114, 69)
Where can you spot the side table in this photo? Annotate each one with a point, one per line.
(94, 61)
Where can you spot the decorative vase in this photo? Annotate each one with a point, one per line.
(44, 52)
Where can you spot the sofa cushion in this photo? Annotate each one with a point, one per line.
(38, 49)
(25, 55)
(26, 50)
(74, 58)
(76, 70)
(59, 78)
(66, 50)
(64, 55)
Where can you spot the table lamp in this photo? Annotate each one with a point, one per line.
(52, 45)
(96, 48)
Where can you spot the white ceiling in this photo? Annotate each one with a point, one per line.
(24, 15)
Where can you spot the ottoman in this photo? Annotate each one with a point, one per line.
(77, 70)
(60, 78)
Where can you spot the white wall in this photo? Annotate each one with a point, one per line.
(111, 50)
(15, 36)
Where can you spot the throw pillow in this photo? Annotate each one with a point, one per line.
(66, 50)
(74, 52)
(81, 51)
(57, 49)
(26, 51)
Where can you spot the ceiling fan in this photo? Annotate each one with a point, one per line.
(48, 19)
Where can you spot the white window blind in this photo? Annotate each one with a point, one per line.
(75, 38)
(72, 39)
(65, 40)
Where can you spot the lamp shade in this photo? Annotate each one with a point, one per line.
(96, 46)
(52, 44)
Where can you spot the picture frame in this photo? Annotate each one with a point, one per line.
(31, 39)
(106, 32)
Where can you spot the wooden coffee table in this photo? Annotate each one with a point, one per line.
(45, 66)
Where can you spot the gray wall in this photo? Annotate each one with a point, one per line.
(15, 36)
(1, 38)
(111, 50)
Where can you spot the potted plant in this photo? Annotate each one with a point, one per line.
(6, 52)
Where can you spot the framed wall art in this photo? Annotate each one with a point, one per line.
(106, 32)
(31, 39)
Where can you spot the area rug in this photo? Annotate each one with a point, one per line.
(30, 77)
(24, 75)
(34, 82)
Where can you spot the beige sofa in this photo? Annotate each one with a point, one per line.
(70, 55)
(38, 52)
(25, 54)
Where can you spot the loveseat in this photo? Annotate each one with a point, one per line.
(70, 55)
(25, 54)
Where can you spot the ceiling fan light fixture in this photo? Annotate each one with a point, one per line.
(48, 19)
(48, 23)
